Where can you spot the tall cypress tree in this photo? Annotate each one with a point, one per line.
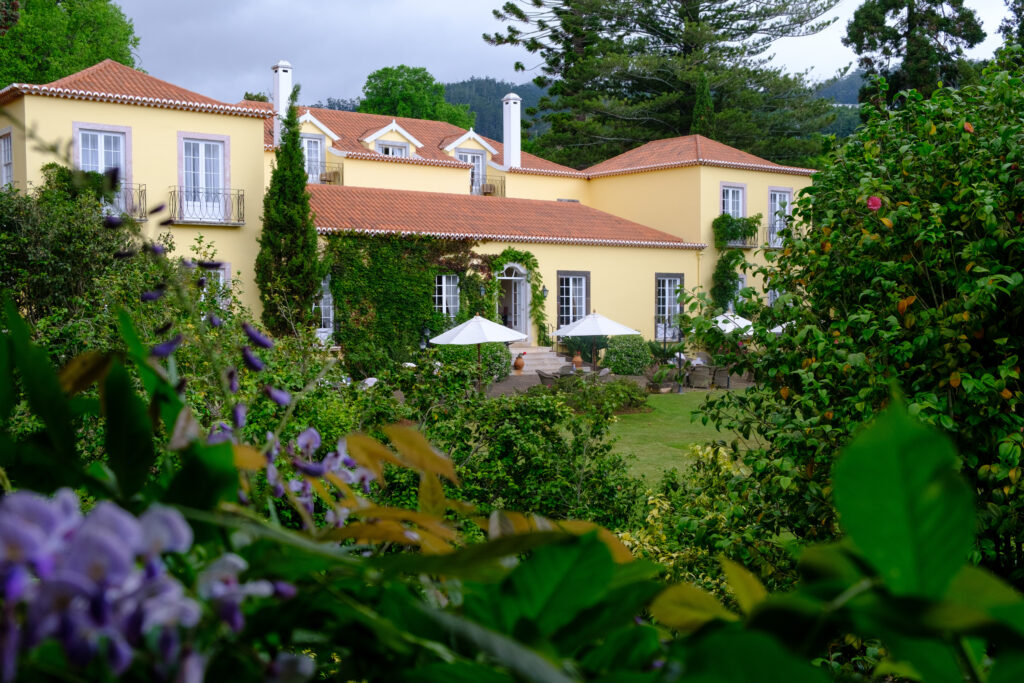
(703, 120)
(288, 269)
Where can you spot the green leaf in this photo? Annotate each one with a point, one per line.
(128, 437)
(516, 657)
(933, 660)
(616, 609)
(630, 648)
(207, 476)
(456, 672)
(8, 399)
(557, 582)
(1009, 668)
(903, 504)
(746, 657)
(746, 587)
(686, 608)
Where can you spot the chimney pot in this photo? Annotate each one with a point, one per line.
(511, 116)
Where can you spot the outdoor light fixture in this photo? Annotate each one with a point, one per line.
(544, 292)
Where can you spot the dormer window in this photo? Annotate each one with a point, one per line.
(393, 149)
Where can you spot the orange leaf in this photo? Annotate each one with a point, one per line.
(248, 458)
(620, 553)
(904, 303)
(954, 380)
(968, 127)
(886, 222)
(784, 392)
(827, 247)
(419, 454)
(1006, 393)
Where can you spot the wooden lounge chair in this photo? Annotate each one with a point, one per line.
(721, 377)
(700, 376)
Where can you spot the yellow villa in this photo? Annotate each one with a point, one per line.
(619, 237)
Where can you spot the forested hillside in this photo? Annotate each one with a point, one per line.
(483, 95)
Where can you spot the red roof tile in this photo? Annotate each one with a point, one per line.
(110, 81)
(690, 150)
(491, 219)
(353, 127)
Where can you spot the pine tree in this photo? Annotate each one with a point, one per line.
(288, 269)
(914, 44)
(703, 118)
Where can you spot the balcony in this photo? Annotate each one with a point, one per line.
(219, 206)
(744, 243)
(773, 238)
(319, 173)
(129, 199)
(492, 186)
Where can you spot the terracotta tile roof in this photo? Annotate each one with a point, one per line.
(690, 150)
(373, 211)
(352, 127)
(110, 81)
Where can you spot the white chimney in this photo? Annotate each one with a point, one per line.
(511, 129)
(282, 91)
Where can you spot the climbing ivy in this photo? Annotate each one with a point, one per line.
(729, 229)
(528, 261)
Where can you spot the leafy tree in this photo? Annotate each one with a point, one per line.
(910, 276)
(339, 103)
(54, 38)
(1012, 26)
(288, 270)
(8, 14)
(256, 96)
(411, 92)
(912, 43)
(624, 73)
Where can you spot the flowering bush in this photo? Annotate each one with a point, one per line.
(627, 355)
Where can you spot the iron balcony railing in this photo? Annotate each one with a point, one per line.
(215, 205)
(320, 173)
(744, 243)
(130, 199)
(491, 186)
(773, 238)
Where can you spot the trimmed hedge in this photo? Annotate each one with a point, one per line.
(628, 355)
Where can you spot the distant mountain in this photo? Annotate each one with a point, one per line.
(483, 95)
(843, 90)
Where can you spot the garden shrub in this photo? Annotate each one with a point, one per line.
(584, 394)
(627, 355)
(495, 359)
(907, 272)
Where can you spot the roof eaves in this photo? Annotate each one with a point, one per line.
(768, 168)
(536, 239)
(159, 103)
(547, 171)
(420, 161)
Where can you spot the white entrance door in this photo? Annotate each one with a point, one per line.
(513, 305)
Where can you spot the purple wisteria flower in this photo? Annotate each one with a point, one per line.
(219, 583)
(308, 441)
(113, 222)
(164, 349)
(151, 295)
(256, 338)
(238, 413)
(221, 432)
(211, 265)
(278, 396)
(213, 320)
(232, 377)
(157, 249)
(251, 360)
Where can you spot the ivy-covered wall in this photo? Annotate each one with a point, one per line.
(383, 288)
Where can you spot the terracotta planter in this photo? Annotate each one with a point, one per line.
(519, 362)
(577, 360)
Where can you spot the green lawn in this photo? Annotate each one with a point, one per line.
(660, 439)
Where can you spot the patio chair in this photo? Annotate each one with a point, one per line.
(566, 370)
(721, 377)
(704, 357)
(700, 376)
(547, 378)
(605, 375)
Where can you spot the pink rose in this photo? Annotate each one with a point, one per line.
(874, 203)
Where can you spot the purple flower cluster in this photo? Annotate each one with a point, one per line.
(94, 582)
(335, 464)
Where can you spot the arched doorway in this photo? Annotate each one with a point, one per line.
(514, 298)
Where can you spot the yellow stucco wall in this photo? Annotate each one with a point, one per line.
(153, 161)
(396, 175)
(667, 200)
(532, 186)
(621, 278)
(12, 117)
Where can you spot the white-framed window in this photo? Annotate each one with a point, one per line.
(477, 174)
(778, 210)
(732, 200)
(393, 149)
(666, 305)
(101, 151)
(218, 282)
(446, 295)
(203, 189)
(573, 296)
(323, 311)
(313, 151)
(741, 283)
(773, 296)
(6, 160)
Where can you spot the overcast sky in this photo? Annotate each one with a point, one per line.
(221, 48)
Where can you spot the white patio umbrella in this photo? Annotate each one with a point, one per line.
(478, 331)
(594, 325)
(730, 322)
